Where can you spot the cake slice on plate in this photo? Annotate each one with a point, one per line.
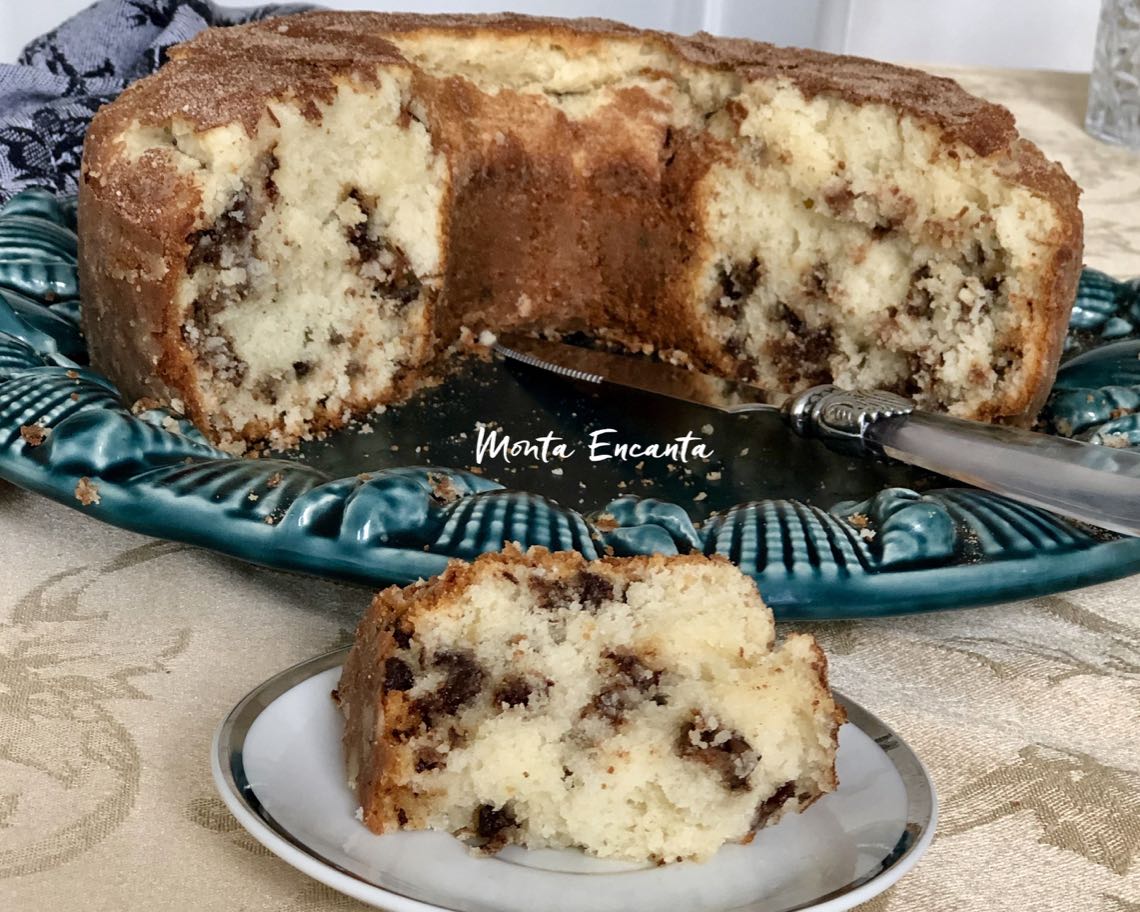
(637, 708)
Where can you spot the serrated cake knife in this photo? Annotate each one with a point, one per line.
(1095, 484)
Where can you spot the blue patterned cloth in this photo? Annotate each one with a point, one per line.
(48, 97)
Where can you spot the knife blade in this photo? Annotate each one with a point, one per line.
(596, 367)
(1093, 484)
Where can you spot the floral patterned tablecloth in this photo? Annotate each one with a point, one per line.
(119, 655)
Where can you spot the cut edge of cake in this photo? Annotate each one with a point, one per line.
(783, 217)
(637, 708)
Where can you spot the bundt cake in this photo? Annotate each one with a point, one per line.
(636, 708)
(286, 223)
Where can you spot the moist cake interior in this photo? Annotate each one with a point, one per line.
(517, 180)
(639, 708)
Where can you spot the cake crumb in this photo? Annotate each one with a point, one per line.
(867, 535)
(706, 428)
(443, 488)
(700, 496)
(34, 434)
(744, 452)
(73, 375)
(713, 476)
(607, 522)
(556, 471)
(274, 480)
(86, 492)
(253, 497)
(270, 520)
(144, 405)
(859, 520)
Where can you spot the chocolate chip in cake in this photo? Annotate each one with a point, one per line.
(205, 307)
(551, 593)
(401, 817)
(428, 759)
(402, 285)
(735, 285)
(593, 589)
(631, 682)
(585, 587)
(231, 229)
(397, 675)
(612, 703)
(403, 635)
(367, 247)
(801, 353)
(631, 669)
(722, 749)
(265, 390)
(816, 282)
(270, 164)
(769, 807)
(302, 369)
(462, 682)
(513, 691)
(464, 678)
(491, 821)
(918, 301)
(745, 365)
(213, 344)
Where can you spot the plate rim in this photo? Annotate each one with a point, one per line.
(228, 772)
(152, 472)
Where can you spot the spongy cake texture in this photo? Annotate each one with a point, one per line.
(291, 219)
(637, 708)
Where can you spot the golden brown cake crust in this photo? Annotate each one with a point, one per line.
(134, 222)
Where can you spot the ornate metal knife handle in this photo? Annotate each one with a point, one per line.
(1094, 484)
(842, 417)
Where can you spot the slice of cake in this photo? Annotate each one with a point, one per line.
(285, 225)
(637, 708)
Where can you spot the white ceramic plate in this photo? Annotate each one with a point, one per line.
(278, 765)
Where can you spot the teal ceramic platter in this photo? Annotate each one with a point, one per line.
(824, 535)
